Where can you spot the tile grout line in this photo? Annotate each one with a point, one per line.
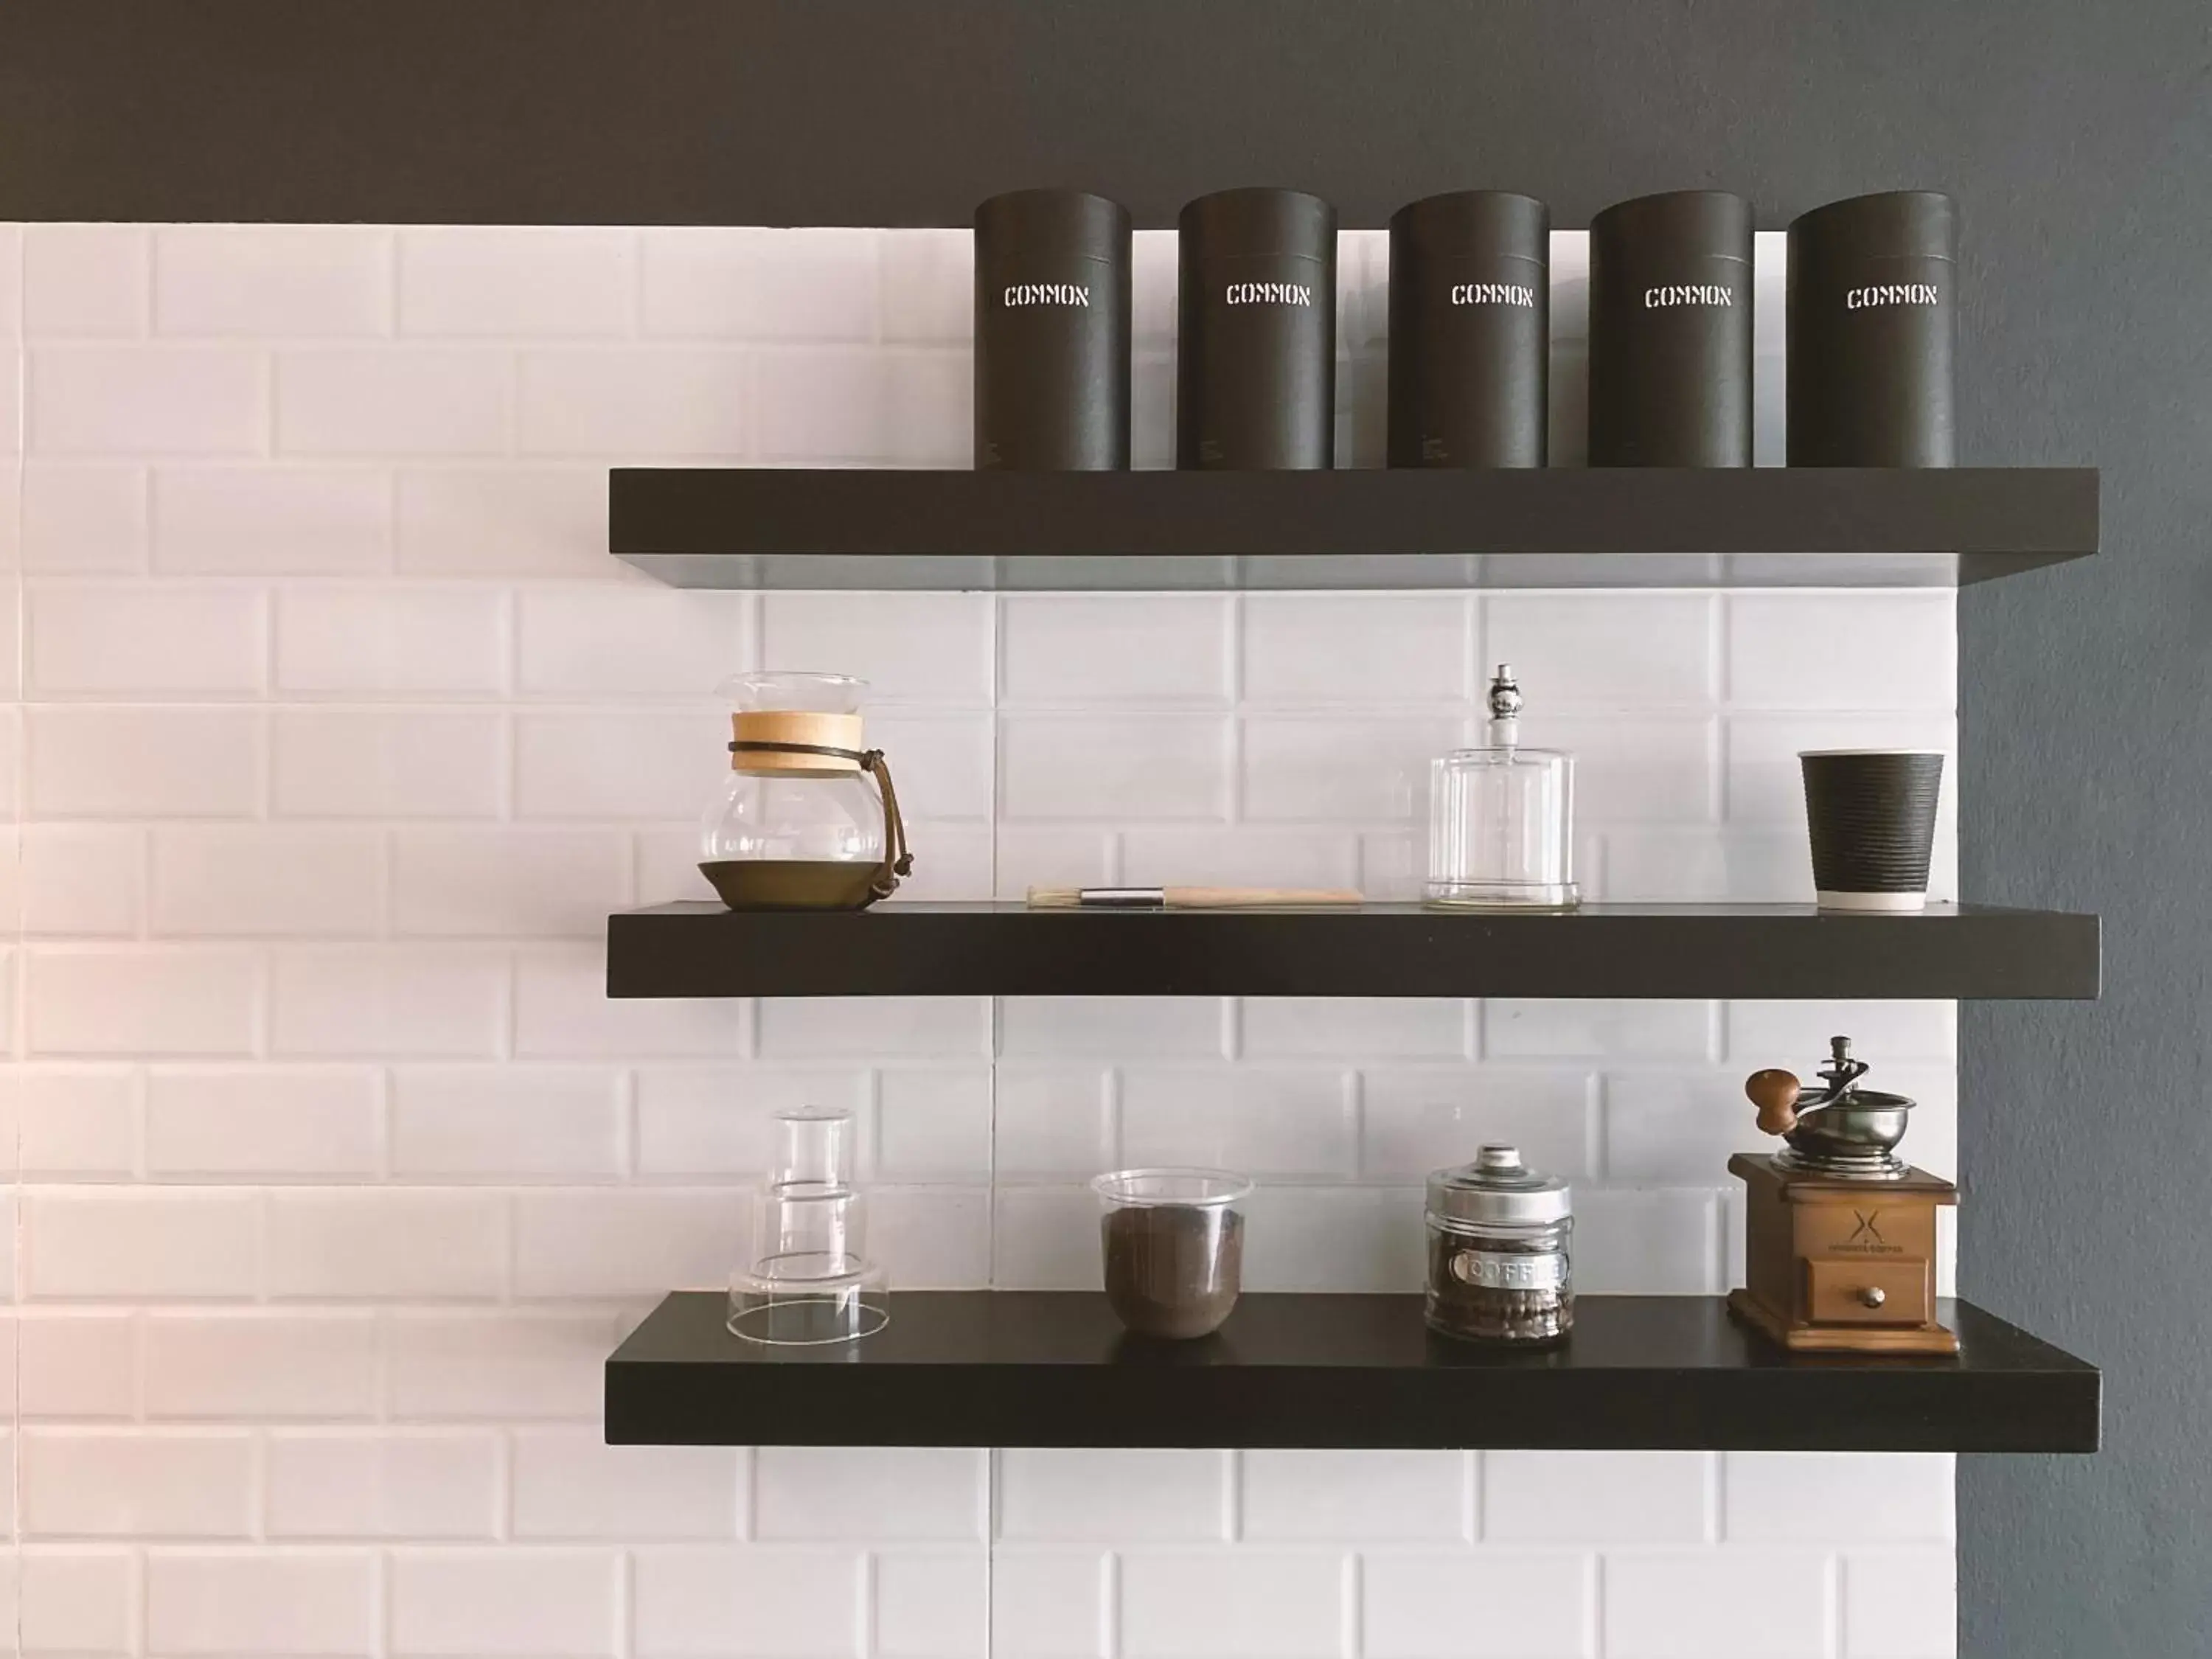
(18, 993)
(995, 610)
(990, 1549)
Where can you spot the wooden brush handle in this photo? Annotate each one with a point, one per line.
(1775, 1092)
(1237, 898)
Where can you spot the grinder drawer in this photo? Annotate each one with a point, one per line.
(1897, 1292)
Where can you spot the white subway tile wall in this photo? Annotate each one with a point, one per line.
(335, 734)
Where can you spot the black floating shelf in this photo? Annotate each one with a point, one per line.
(1950, 951)
(1564, 527)
(1011, 1368)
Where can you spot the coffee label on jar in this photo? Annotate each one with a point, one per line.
(1046, 294)
(1269, 293)
(1498, 1270)
(1893, 294)
(1493, 293)
(1689, 293)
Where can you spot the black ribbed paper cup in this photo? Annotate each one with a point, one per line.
(1872, 813)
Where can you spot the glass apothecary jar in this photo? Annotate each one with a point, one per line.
(807, 818)
(1501, 818)
(1500, 1264)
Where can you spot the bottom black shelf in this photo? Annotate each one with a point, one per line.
(1016, 1368)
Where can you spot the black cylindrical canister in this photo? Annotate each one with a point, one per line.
(1670, 331)
(1470, 308)
(1873, 302)
(1255, 346)
(1051, 332)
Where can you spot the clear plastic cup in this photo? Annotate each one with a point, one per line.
(1174, 1246)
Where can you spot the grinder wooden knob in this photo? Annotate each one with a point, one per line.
(1774, 1092)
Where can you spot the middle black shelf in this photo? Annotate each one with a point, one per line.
(1608, 951)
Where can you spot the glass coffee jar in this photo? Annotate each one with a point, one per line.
(1174, 1246)
(1499, 1264)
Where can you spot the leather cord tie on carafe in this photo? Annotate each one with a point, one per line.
(898, 861)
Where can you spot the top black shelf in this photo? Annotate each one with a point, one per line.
(1558, 527)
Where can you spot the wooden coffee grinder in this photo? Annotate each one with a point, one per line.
(1840, 1232)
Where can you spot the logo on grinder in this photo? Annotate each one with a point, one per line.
(1866, 1237)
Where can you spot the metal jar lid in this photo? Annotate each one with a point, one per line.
(1497, 1189)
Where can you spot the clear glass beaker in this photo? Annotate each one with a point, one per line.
(809, 1280)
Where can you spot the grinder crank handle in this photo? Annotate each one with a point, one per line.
(1775, 1092)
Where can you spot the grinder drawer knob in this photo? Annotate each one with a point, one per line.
(1873, 1296)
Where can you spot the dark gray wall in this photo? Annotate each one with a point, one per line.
(2085, 733)
(2078, 137)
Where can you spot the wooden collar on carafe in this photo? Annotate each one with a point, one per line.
(807, 731)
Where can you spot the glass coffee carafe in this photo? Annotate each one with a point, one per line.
(807, 818)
